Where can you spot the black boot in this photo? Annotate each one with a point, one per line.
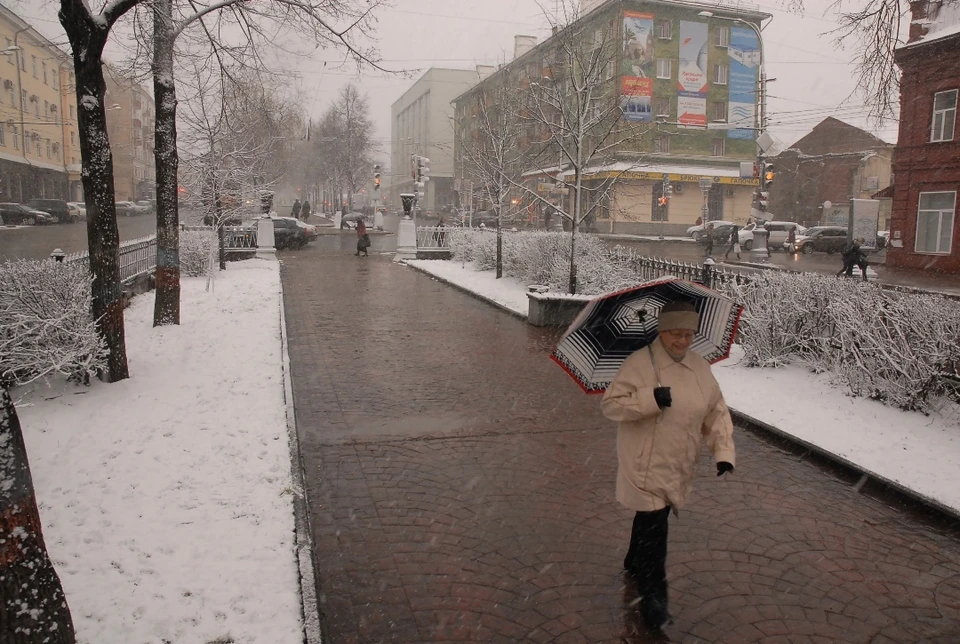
(654, 612)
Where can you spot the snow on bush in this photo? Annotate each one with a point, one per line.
(45, 322)
(896, 347)
(196, 250)
(899, 348)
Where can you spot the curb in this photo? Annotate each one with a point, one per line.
(309, 606)
(887, 486)
(462, 289)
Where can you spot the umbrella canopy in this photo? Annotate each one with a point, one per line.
(613, 326)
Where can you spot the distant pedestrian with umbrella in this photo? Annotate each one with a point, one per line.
(295, 211)
(660, 339)
(363, 239)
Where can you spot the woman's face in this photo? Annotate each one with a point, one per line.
(677, 341)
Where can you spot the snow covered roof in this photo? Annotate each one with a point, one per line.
(942, 21)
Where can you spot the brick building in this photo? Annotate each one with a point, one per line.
(924, 231)
(832, 163)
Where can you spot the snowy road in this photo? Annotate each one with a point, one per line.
(462, 489)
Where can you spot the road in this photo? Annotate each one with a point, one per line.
(36, 242)
(461, 488)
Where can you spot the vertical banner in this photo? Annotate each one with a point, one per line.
(744, 53)
(638, 42)
(692, 109)
(865, 222)
(636, 99)
(693, 57)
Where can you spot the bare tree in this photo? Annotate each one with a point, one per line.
(492, 153)
(33, 608)
(574, 109)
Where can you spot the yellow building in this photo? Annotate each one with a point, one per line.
(130, 127)
(38, 128)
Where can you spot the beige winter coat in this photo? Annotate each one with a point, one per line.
(658, 450)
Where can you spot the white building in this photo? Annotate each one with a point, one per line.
(421, 123)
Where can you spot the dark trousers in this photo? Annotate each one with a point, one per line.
(647, 556)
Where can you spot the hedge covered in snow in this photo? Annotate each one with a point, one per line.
(45, 322)
(896, 347)
(197, 251)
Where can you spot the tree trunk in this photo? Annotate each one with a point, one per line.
(499, 243)
(166, 308)
(103, 237)
(33, 608)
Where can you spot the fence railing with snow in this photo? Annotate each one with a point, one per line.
(902, 348)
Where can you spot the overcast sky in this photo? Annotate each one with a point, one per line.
(814, 79)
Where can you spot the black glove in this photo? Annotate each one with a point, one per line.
(723, 467)
(663, 397)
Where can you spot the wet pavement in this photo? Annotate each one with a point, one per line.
(462, 489)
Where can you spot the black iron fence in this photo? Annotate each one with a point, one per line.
(651, 268)
(137, 256)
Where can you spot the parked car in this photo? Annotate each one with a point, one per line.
(825, 239)
(75, 214)
(700, 231)
(81, 208)
(15, 214)
(129, 209)
(780, 233)
(883, 239)
(148, 204)
(55, 207)
(293, 234)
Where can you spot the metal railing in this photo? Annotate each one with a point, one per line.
(651, 268)
(235, 238)
(137, 256)
(430, 237)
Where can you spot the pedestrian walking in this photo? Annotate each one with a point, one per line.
(666, 401)
(792, 239)
(295, 211)
(853, 255)
(440, 234)
(734, 242)
(363, 239)
(708, 251)
(305, 210)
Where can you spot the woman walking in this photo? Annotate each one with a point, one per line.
(363, 239)
(666, 401)
(305, 210)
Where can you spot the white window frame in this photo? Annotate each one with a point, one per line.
(722, 147)
(721, 74)
(669, 64)
(948, 118)
(720, 119)
(663, 144)
(3, 134)
(662, 100)
(723, 36)
(664, 29)
(940, 217)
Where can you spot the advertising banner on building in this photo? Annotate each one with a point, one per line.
(692, 109)
(636, 99)
(693, 57)
(744, 53)
(638, 42)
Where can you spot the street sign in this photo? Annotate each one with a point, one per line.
(705, 183)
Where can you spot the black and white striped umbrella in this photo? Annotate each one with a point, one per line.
(613, 326)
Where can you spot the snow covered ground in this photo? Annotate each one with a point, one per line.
(921, 453)
(165, 498)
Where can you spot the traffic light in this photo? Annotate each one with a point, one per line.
(376, 177)
(764, 200)
(422, 171)
(668, 190)
(768, 175)
(662, 201)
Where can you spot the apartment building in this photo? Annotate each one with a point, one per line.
(130, 126)
(37, 115)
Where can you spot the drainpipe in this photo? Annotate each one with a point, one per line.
(23, 131)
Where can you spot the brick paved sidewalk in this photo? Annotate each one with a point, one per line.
(461, 489)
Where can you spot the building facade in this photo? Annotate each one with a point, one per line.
(37, 115)
(687, 87)
(130, 126)
(831, 164)
(924, 229)
(422, 123)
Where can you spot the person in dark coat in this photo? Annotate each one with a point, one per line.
(295, 211)
(305, 210)
(853, 255)
(734, 242)
(363, 239)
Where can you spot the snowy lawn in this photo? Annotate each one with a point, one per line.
(165, 498)
(921, 453)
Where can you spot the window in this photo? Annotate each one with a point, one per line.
(659, 212)
(722, 36)
(14, 136)
(44, 73)
(48, 148)
(72, 113)
(23, 60)
(46, 109)
(10, 58)
(23, 99)
(944, 116)
(664, 29)
(610, 70)
(73, 138)
(720, 74)
(33, 65)
(56, 79)
(38, 145)
(719, 112)
(935, 221)
(664, 68)
(718, 147)
(663, 144)
(3, 134)
(13, 96)
(663, 106)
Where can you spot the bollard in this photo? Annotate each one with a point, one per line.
(58, 255)
(706, 277)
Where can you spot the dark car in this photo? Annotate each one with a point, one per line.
(291, 234)
(59, 209)
(16, 214)
(825, 239)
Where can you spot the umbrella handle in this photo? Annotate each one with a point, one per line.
(656, 372)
